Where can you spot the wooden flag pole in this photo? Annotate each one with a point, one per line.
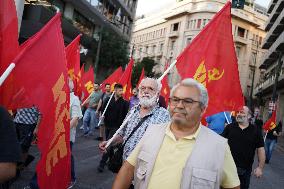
(6, 73)
(130, 114)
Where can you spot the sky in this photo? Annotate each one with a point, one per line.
(151, 6)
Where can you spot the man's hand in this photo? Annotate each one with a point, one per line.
(258, 172)
(35, 131)
(102, 146)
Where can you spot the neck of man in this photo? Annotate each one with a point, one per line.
(243, 125)
(181, 130)
(145, 110)
(116, 97)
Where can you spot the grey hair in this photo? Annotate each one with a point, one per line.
(193, 83)
(157, 82)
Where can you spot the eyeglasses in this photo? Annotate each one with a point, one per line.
(185, 102)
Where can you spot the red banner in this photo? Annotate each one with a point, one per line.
(211, 60)
(9, 46)
(271, 123)
(165, 91)
(40, 78)
(125, 80)
(141, 77)
(87, 82)
(73, 64)
(112, 79)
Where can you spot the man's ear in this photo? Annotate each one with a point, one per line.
(203, 110)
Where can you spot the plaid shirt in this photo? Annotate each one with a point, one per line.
(27, 115)
(158, 115)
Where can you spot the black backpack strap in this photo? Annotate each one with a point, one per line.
(137, 126)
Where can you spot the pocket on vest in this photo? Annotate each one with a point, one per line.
(203, 179)
(142, 163)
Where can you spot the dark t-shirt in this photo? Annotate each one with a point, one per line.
(9, 145)
(278, 129)
(243, 143)
(116, 112)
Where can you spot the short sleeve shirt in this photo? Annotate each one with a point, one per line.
(75, 111)
(243, 143)
(158, 115)
(95, 98)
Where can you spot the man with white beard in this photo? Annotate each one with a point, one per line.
(148, 113)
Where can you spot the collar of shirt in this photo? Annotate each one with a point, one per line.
(138, 107)
(170, 134)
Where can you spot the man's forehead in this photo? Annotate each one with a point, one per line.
(186, 92)
(148, 83)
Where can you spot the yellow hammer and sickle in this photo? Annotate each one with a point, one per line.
(200, 74)
(272, 125)
(124, 88)
(214, 74)
(71, 74)
(112, 86)
(89, 86)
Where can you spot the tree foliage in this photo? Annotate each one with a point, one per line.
(148, 64)
(113, 53)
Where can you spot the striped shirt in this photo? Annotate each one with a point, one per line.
(158, 115)
(27, 115)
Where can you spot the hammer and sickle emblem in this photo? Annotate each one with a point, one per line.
(202, 73)
(272, 125)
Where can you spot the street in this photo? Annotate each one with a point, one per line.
(87, 157)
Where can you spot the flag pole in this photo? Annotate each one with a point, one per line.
(265, 136)
(106, 108)
(167, 71)
(226, 117)
(130, 114)
(7, 73)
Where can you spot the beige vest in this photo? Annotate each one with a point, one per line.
(203, 169)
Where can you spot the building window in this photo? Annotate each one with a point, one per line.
(154, 49)
(175, 27)
(146, 49)
(188, 40)
(161, 47)
(204, 23)
(238, 51)
(198, 23)
(260, 41)
(172, 45)
(140, 52)
(241, 32)
(194, 22)
(248, 90)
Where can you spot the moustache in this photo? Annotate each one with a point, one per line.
(180, 112)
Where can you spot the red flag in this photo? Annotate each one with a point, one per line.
(9, 45)
(165, 90)
(73, 57)
(125, 80)
(87, 82)
(141, 77)
(39, 78)
(112, 79)
(271, 123)
(211, 60)
(73, 63)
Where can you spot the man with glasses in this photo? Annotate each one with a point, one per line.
(182, 153)
(148, 110)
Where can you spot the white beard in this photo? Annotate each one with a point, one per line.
(148, 102)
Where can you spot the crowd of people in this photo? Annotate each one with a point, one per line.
(161, 146)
